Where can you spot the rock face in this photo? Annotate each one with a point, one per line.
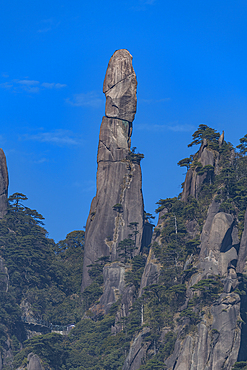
(137, 351)
(119, 180)
(34, 362)
(215, 345)
(4, 183)
(114, 284)
(193, 181)
(216, 342)
(120, 87)
(220, 244)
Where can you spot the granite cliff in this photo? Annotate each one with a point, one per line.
(208, 329)
(188, 294)
(118, 204)
(174, 299)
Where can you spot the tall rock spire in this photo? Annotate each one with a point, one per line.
(4, 183)
(118, 201)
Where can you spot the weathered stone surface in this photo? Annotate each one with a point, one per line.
(227, 341)
(193, 181)
(151, 272)
(152, 267)
(184, 360)
(215, 345)
(137, 352)
(219, 243)
(34, 362)
(201, 348)
(4, 183)
(119, 179)
(114, 284)
(120, 87)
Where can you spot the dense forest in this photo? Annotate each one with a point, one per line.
(41, 280)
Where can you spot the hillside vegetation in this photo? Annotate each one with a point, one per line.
(43, 279)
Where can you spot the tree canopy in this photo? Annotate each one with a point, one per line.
(205, 132)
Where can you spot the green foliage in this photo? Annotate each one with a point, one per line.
(134, 276)
(118, 207)
(10, 319)
(148, 216)
(126, 249)
(186, 162)
(92, 293)
(47, 275)
(153, 364)
(25, 247)
(205, 132)
(242, 365)
(208, 170)
(90, 345)
(243, 145)
(164, 349)
(134, 157)
(209, 289)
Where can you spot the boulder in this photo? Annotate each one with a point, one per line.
(34, 362)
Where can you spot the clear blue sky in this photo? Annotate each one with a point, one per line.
(190, 58)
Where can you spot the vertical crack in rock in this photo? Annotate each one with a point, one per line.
(119, 180)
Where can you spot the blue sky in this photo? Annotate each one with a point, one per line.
(190, 58)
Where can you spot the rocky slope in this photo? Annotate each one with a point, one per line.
(213, 341)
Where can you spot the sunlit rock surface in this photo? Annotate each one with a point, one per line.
(119, 180)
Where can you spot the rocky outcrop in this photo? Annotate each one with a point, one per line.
(4, 183)
(34, 362)
(120, 87)
(216, 343)
(193, 181)
(118, 201)
(152, 267)
(220, 244)
(115, 288)
(151, 272)
(137, 351)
